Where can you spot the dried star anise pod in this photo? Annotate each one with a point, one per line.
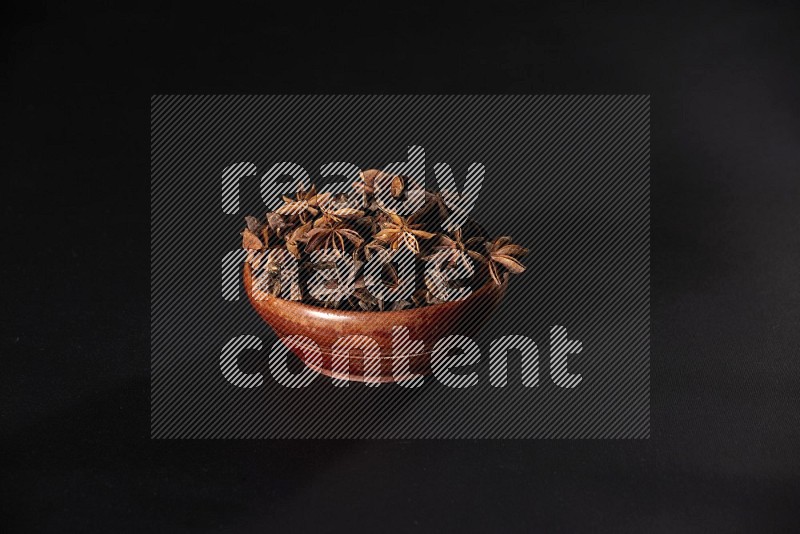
(401, 305)
(332, 216)
(255, 234)
(268, 277)
(500, 256)
(370, 223)
(398, 186)
(456, 246)
(435, 202)
(423, 297)
(250, 240)
(304, 203)
(295, 237)
(253, 224)
(311, 222)
(262, 230)
(276, 223)
(333, 237)
(361, 298)
(373, 247)
(399, 231)
(366, 186)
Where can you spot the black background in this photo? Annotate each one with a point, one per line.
(724, 366)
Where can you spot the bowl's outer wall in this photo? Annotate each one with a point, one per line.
(428, 324)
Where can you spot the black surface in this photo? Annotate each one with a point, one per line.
(725, 346)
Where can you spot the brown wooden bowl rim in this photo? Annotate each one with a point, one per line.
(488, 287)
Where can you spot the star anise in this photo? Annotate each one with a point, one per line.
(256, 235)
(435, 201)
(361, 298)
(305, 202)
(423, 297)
(456, 247)
(332, 237)
(398, 186)
(331, 216)
(250, 240)
(366, 183)
(253, 224)
(398, 231)
(499, 257)
(297, 236)
(372, 248)
(371, 223)
(311, 222)
(276, 224)
(268, 277)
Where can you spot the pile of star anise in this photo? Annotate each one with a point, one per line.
(318, 221)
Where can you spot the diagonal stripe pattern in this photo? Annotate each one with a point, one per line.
(566, 176)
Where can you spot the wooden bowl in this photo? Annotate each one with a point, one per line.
(325, 326)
